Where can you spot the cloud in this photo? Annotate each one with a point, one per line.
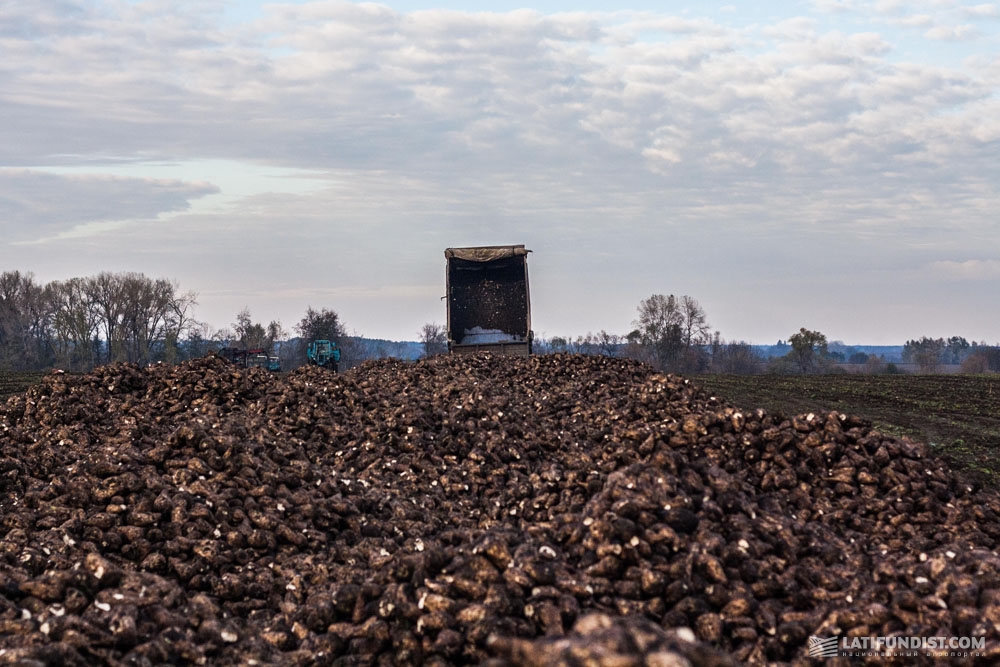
(953, 33)
(639, 135)
(835, 6)
(970, 269)
(915, 21)
(337, 85)
(940, 20)
(987, 10)
(36, 205)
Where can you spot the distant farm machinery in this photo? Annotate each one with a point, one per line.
(323, 353)
(257, 357)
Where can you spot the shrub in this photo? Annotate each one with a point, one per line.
(974, 364)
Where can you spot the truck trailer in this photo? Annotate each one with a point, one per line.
(488, 304)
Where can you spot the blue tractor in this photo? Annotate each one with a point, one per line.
(323, 353)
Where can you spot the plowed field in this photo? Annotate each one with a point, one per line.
(958, 415)
(16, 382)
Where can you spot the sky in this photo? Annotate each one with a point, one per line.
(827, 164)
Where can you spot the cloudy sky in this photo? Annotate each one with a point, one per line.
(829, 164)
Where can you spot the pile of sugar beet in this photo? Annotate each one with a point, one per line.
(469, 510)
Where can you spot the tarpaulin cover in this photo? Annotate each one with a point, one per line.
(485, 253)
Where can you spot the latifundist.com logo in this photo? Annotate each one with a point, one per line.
(824, 648)
(949, 647)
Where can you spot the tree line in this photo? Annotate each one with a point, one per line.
(670, 333)
(931, 353)
(80, 323)
(673, 334)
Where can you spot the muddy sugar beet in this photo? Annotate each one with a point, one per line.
(497, 511)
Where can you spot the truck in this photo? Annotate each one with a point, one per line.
(261, 359)
(323, 353)
(488, 302)
(245, 358)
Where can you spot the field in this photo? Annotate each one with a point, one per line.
(16, 382)
(958, 415)
(547, 511)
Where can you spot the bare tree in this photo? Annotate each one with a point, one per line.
(672, 332)
(353, 350)
(660, 328)
(736, 358)
(200, 340)
(695, 326)
(608, 344)
(875, 365)
(434, 339)
(106, 293)
(75, 325)
(26, 312)
(148, 307)
(275, 335)
(253, 335)
(975, 363)
(635, 348)
(81, 322)
(180, 323)
(224, 337)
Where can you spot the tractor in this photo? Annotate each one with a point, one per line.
(323, 353)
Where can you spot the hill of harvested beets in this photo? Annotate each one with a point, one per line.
(552, 510)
